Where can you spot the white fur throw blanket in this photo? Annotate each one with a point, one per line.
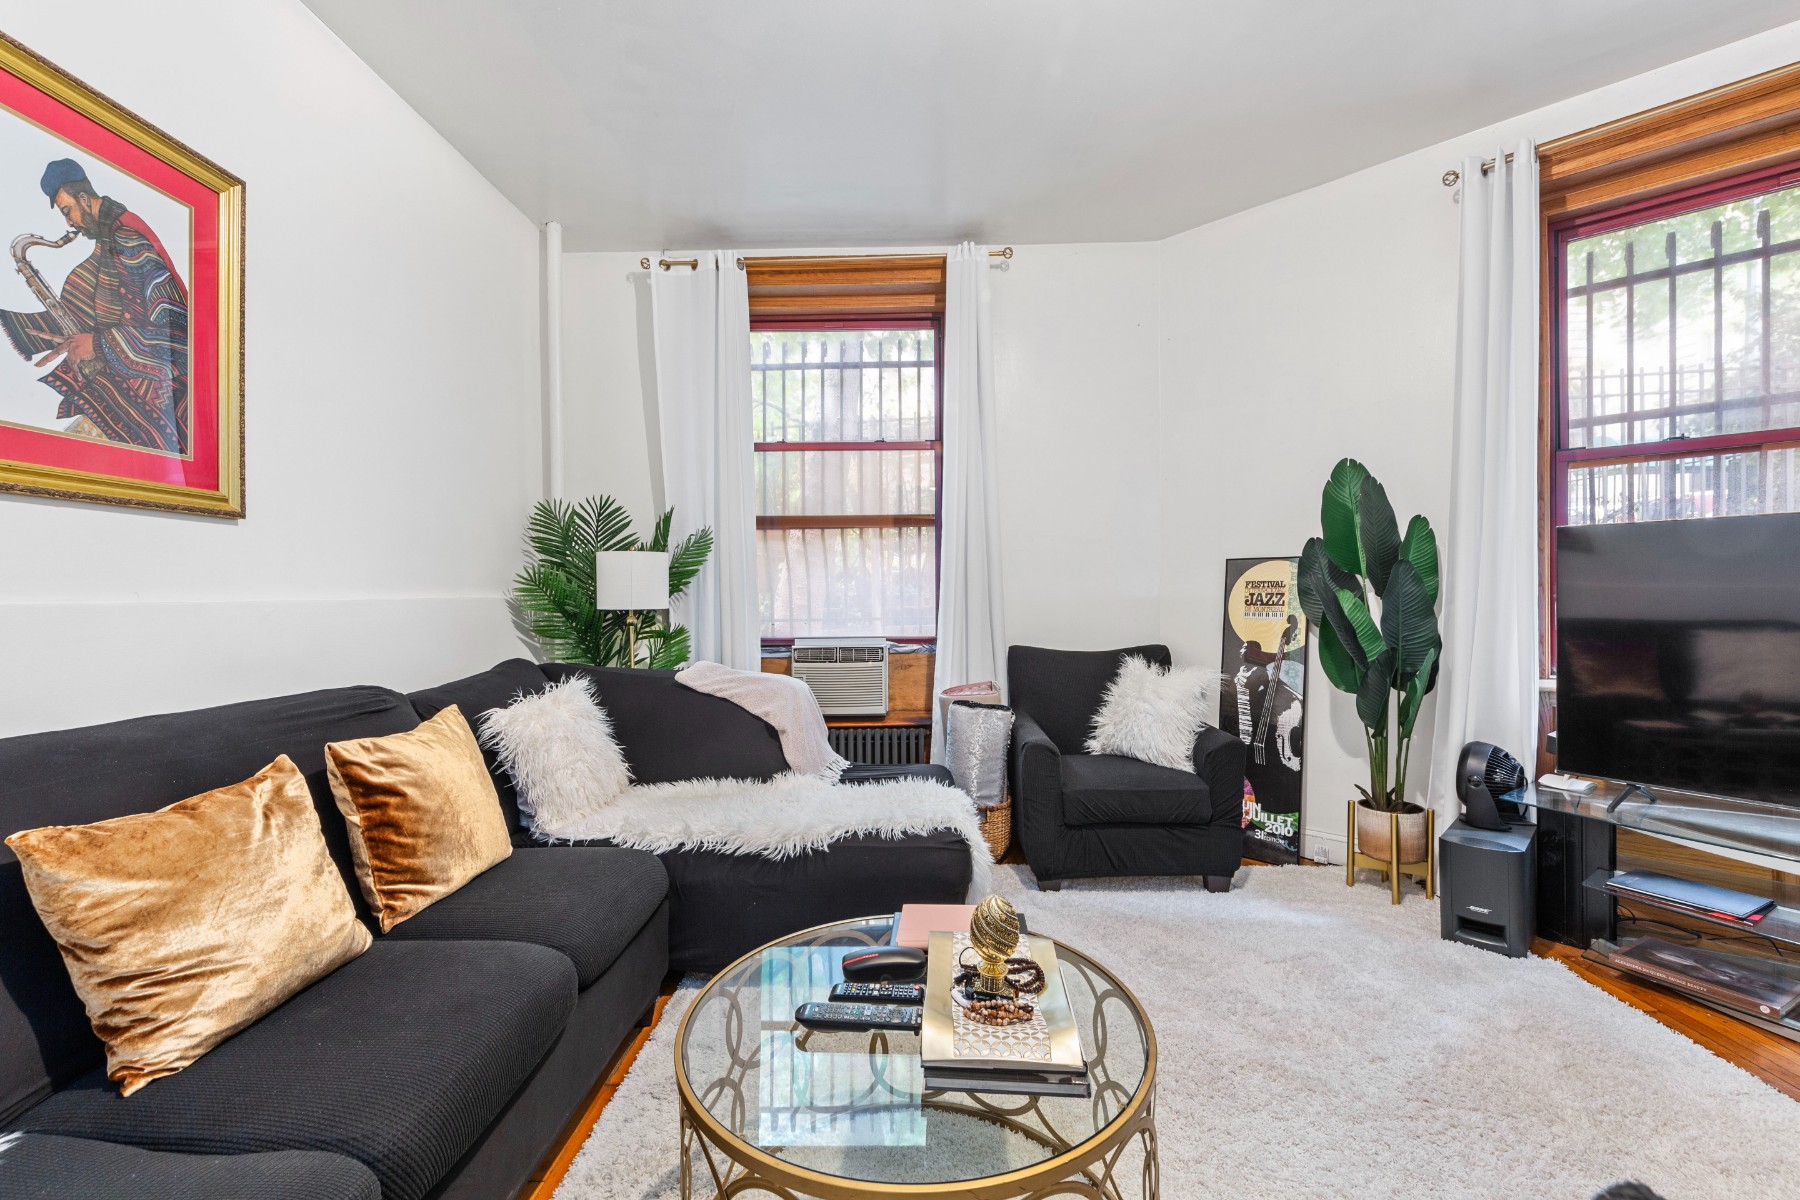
(781, 700)
(785, 816)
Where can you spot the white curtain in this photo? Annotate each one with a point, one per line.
(702, 329)
(971, 630)
(1487, 688)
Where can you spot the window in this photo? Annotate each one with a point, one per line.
(849, 452)
(1680, 356)
(1671, 310)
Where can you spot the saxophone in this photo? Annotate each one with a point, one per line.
(35, 281)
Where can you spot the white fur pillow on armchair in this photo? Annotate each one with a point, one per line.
(558, 746)
(1151, 714)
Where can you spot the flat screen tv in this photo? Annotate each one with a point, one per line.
(1678, 655)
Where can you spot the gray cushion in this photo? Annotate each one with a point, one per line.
(399, 1059)
(36, 1166)
(586, 901)
(1107, 789)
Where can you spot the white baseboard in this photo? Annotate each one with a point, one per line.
(1322, 846)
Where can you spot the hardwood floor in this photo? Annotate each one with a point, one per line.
(553, 1170)
(1771, 1058)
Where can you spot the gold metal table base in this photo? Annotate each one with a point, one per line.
(1117, 1162)
(1103, 1169)
(1392, 868)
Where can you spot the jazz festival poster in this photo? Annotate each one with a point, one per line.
(1262, 700)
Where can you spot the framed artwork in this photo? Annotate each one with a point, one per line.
(121, 322)
(1263, 699)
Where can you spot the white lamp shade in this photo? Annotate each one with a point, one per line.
(633, 580)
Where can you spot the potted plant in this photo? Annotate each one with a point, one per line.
(1371, 594)
(554, 595)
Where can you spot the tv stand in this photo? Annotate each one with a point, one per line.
(1626, 792)
(1584, 856)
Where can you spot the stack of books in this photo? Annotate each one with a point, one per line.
(1039, 1057)
(1748, 985)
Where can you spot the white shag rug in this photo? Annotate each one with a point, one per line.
(1317, 1042)
(782, 817)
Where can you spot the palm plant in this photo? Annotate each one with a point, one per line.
(554, 593)
(1371, 594)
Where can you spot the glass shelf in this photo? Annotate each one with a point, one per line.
(1744, 825)
(1779, 924)
(1788, 1027)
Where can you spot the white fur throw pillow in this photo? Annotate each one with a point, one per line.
(1152, 715)
(558, 746)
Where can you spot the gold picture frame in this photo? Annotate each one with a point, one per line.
(198, 467)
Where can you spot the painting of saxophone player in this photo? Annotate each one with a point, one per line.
(122, 305)
(116, 335)
(1263, 699)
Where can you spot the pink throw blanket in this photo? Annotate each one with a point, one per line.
(785, 703)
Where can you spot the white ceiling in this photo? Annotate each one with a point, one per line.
(642, 124)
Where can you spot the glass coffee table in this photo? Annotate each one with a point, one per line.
(771, 1109)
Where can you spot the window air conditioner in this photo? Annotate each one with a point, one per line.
(849, 676)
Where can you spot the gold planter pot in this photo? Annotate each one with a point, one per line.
(1396, 844)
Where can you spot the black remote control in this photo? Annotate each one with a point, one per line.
(878, 993)
(859, 1017)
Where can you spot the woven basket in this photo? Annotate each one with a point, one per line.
(996, 827)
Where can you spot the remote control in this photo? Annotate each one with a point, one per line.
(1567, 783)
(878, 993)
(859, 1017)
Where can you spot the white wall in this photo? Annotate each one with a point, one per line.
(391, 395)
(1323, 325)
(1076, 367)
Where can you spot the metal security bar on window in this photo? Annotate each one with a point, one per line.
(847, 463)
(1679, 346)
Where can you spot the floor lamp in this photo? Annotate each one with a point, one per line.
(631, 581)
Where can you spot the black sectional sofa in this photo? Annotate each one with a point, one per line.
(448, 1060)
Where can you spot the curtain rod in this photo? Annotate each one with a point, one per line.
(694, 263)
(1452, 177)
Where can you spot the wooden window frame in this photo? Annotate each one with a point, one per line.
(844, 319)
(1655, 161)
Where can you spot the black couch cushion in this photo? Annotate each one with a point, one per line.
(670, 733)
(728, 904)
(1107, 789)
(1061, 689)
(35, 1166)
(399, 1059)
(474, 695)
(586, 901)
(76, 776)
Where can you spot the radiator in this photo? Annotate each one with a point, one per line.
(884, 745)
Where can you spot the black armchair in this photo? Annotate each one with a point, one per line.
(1079, 815)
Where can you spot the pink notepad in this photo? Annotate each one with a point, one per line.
(919, 921)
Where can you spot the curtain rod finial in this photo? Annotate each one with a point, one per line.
(1452, 177)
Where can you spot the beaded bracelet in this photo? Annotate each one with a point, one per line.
(999, 1012)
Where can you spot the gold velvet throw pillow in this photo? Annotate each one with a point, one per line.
(184, 925)
(423, 815)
